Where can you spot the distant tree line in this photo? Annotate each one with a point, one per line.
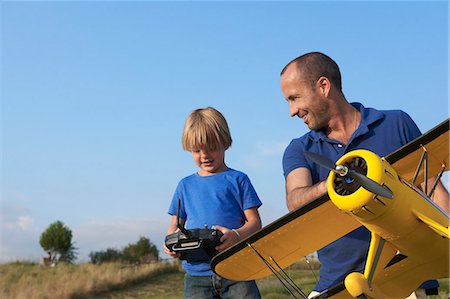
(143, 251)
(56, 240)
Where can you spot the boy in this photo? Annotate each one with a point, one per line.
(217, 196)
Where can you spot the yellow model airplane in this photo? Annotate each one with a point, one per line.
(410, 234)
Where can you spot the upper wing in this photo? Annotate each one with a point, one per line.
(435, 142)
(284, 241)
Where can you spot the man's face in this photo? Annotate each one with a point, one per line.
(305, 101)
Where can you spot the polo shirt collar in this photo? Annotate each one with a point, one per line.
(369, 116)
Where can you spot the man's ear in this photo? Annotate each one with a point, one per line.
(324, 85)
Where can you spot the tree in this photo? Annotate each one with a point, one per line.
(143, 251)
(57, 239)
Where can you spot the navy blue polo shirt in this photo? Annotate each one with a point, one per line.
(381, 132)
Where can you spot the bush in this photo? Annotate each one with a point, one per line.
(141, 252)
(106, 256)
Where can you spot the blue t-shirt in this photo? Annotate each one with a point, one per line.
(219, 199)
(381, 132)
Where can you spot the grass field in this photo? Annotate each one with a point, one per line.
(23, 280)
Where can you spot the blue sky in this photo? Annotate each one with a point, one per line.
(94, 96)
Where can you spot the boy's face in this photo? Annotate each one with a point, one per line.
(209, 162)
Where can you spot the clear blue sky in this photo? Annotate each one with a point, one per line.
(94, 96)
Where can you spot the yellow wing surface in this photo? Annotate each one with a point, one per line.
(284, 241)
(435, 143)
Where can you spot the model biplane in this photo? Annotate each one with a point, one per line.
(410, 233)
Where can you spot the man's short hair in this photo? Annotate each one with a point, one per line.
(206, 128)
(314, 65)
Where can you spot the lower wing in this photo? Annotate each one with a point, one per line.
(284, 241)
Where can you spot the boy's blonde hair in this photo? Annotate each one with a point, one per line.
(206, 128)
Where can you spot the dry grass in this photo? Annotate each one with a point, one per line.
(27, 280)
(24, 280)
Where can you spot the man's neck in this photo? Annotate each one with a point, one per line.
(344, 124)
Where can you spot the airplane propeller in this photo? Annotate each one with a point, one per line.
(365, 182)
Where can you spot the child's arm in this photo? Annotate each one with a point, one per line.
(172, 228)
(231, 237)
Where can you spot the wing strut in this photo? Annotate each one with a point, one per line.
(424, 161)
(310, 268)
(282, 276)
(423, 158)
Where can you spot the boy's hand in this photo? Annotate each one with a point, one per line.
(171, 253)
(228, 239)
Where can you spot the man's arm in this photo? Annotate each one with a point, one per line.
(440, 195)
(300, 190)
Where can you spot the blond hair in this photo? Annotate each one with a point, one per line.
(206, 128)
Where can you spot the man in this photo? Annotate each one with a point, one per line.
(311, 84)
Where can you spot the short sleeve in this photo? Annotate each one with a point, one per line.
(293, 157)
(410, 128)
(178, 198)
(249, 196)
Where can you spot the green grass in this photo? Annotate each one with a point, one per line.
(164, 286)
(170, 286)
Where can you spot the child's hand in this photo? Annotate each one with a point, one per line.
(171, 253)
(228, 239)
